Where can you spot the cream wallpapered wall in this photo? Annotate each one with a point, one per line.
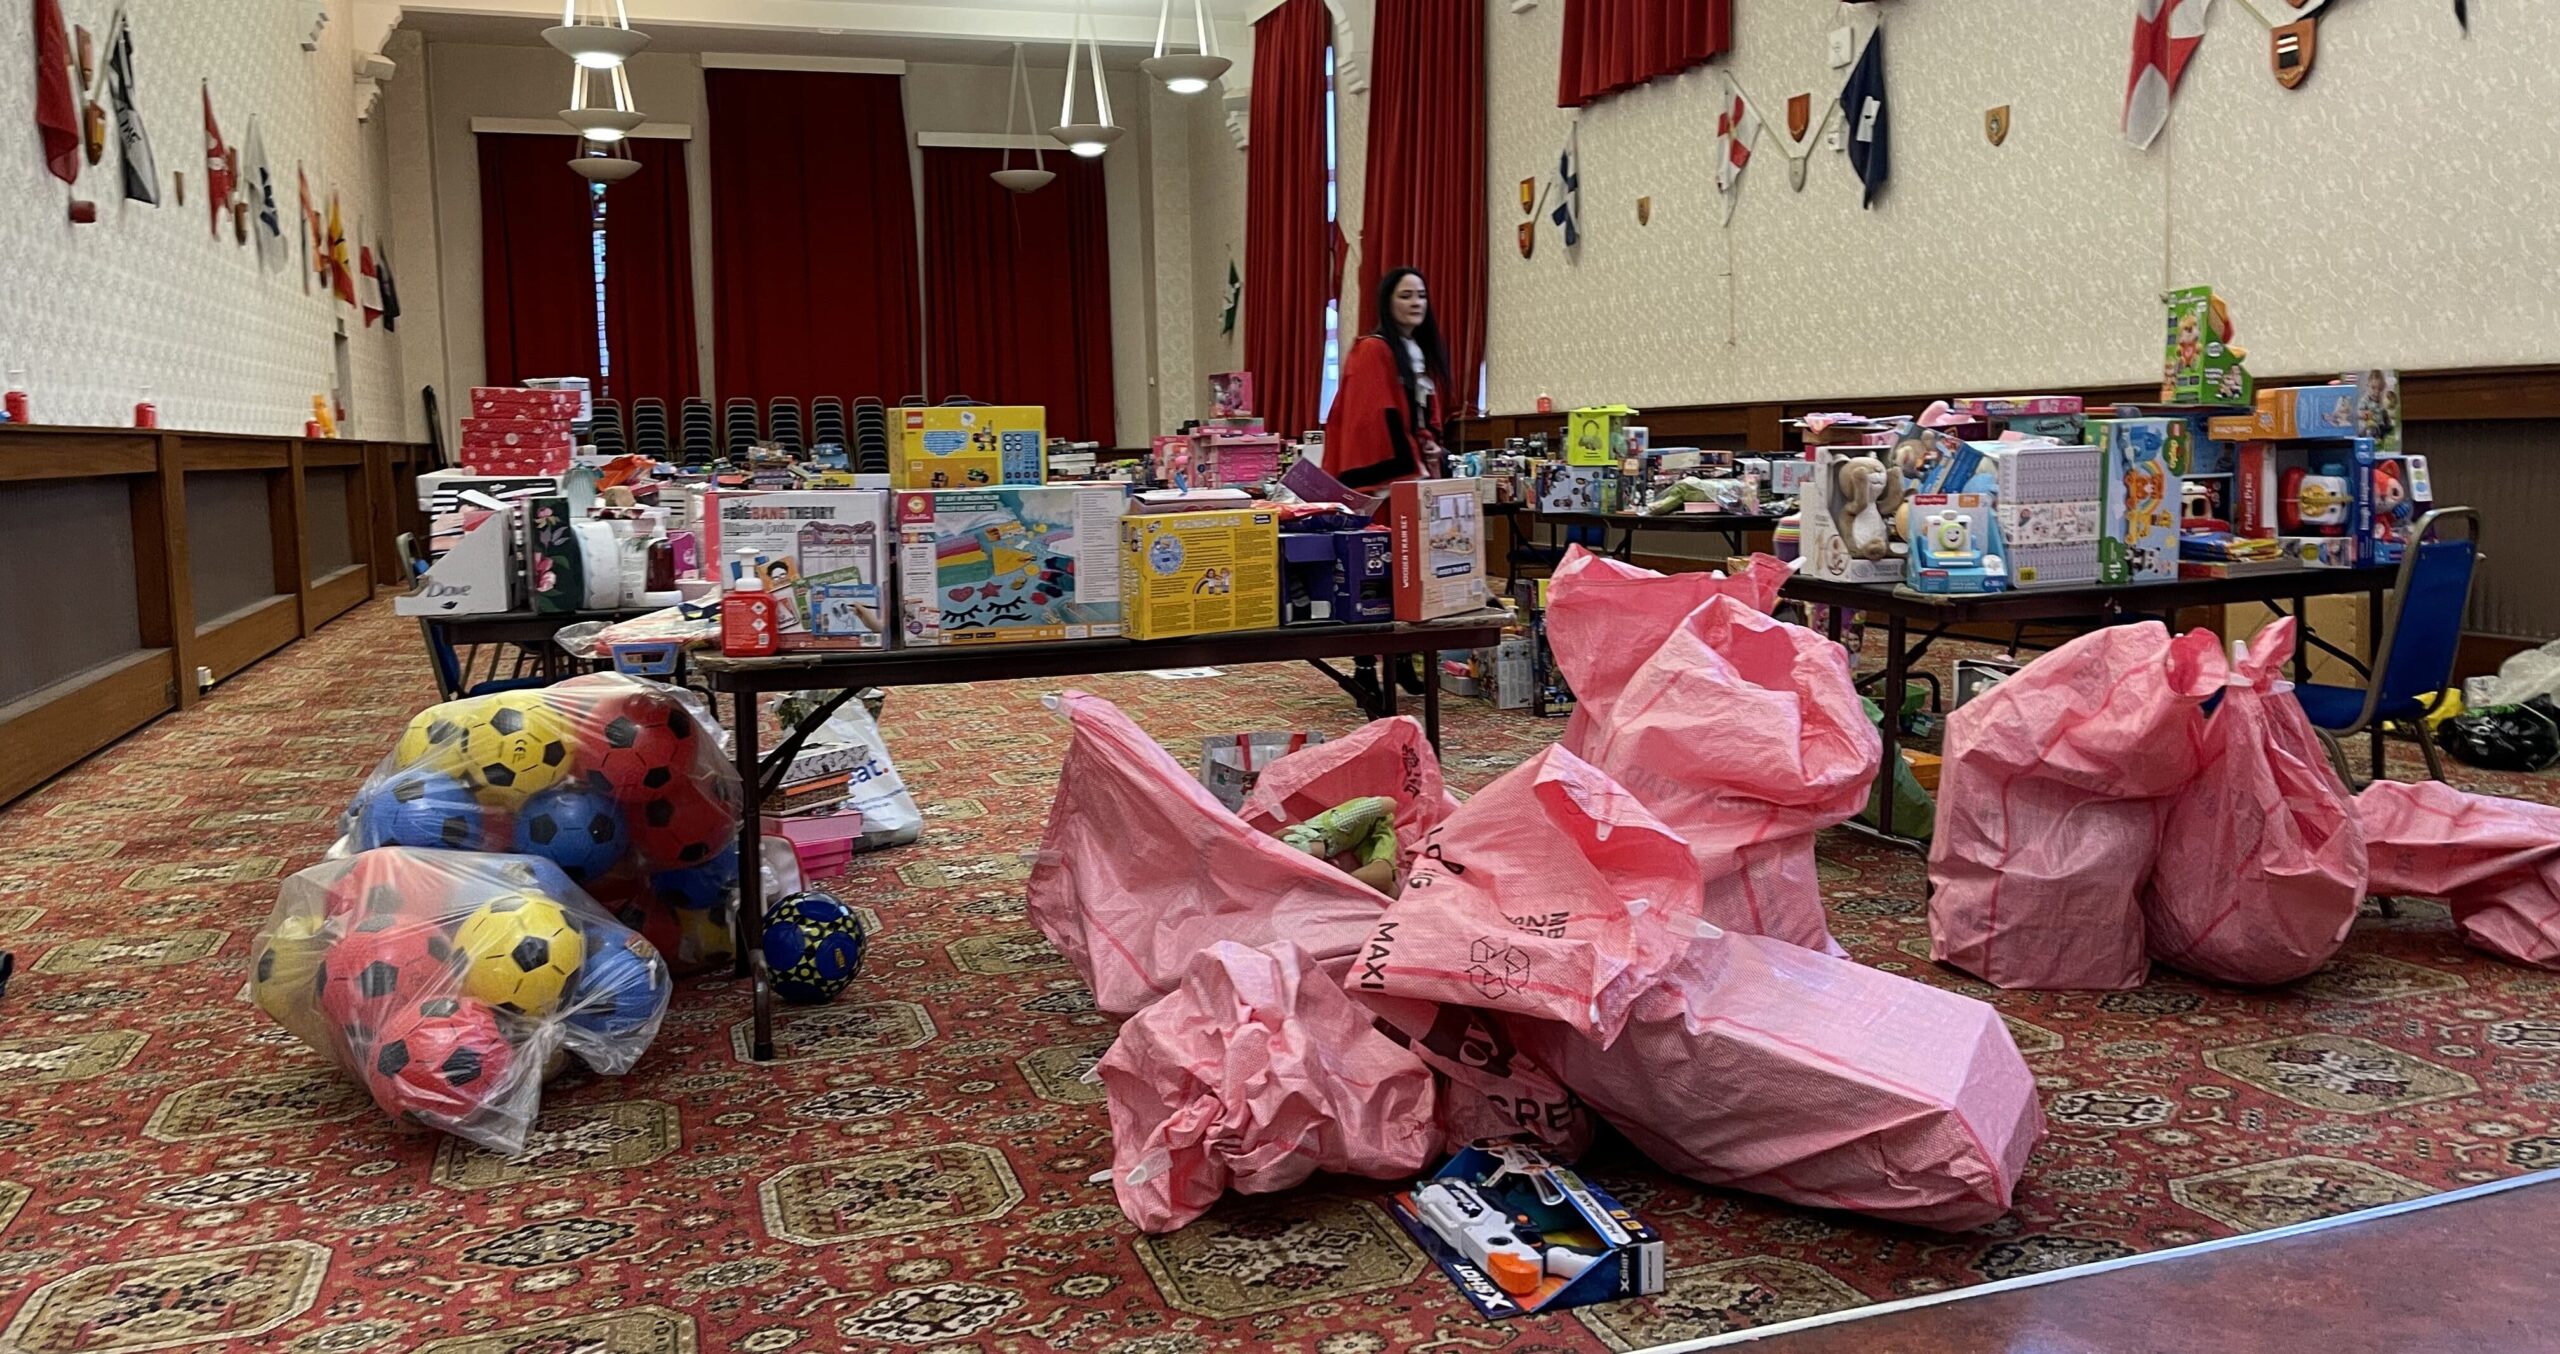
(2392, 210)
(1217, 236)
(1171, 268)
(146, 297)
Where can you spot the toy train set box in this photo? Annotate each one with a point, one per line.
(1439, 548)
(1518, 1234)
(1014, 565)
(1199, 573)
(825, 558)
(975, 446)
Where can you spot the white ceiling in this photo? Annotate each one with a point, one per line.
(951, 31)
(682, 39)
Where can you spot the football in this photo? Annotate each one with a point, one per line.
(813, 945)
(513, 748)
(382, 963)
(573, 826)
(432, 741)
(390, 882)
(285, 965)
(521, 950)
(646, 746)
(621, 988)
(441, 1059)
(418, 808)
(700, 886)
(681, 828)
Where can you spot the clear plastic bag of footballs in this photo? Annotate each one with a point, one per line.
(625, 784)
(450, 985)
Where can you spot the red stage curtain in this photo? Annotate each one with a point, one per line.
(537, 260)
(1425, 196)
(1290, 267)
(1019, 289)
(648, 278)
(1610, 45)
(813, 236)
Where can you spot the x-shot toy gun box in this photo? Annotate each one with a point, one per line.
(1517, 1233)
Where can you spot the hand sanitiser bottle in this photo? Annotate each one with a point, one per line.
(749, 625)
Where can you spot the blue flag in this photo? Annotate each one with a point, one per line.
(1870, 130)
(1568, 212)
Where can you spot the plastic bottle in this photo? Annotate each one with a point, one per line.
(749, 625)
(146, 413)
(17, 397)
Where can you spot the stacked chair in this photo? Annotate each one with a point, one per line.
(870, 437)
(783, 427)
(605, 431)
(649, 429)
(739, 429)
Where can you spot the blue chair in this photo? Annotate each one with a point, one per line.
(452, 682)
(2421, 633)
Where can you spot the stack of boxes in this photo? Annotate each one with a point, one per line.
(2320, 469)
(512, 431)
(2052, 503)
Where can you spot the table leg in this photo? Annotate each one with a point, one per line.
(2373, 655)
(750, 913)
(2302, 640)
(1431, 701)
(1627, 547)
(1891, 725)
(1390, 668)
(1831, 624)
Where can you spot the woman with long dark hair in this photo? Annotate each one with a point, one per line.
(1387, 417)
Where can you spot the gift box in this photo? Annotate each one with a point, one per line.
(516, 403)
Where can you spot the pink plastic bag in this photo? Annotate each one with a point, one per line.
(2050, 808)
(1551, 893)
(1141, 869)
(1605, 618)
(1744, 735)
(2495, 861)
(2264, 865)
(1766, 1067)
(1389, 757)
(1255, 1074)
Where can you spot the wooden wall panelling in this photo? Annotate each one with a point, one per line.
(49, 731)
(226, 644)
(382, 517)
(54, 454)
(208, 452)
(285, 508)
(167, 604)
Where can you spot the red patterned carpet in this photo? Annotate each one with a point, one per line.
(175, 1172)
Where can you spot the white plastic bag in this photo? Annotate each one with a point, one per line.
(889, 813)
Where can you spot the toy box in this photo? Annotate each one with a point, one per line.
(2050, 506)
(825, 555)
(1246, 462)
(1597, 435)
(2292, 489)
(2201, 365)
(1517, 1233)
(1337, 577)
(1577, 488)
(2140, 541)
(1955, 545)
(1850, 506)
(2391, 494)
(1198, 573)
(1988, 407)
(996, 566)
(516, 402)
(2307, 413)
(1230, 394)
(1439, 548)
(972, 446)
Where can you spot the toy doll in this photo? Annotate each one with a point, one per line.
(1866, 496)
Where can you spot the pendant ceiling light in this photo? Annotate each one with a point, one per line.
(1186, 74)
(607, 124)
(603, 166)
(1086, 139)
(1018, 96)
(600, 40)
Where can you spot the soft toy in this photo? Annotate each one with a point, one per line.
(1866, 497)
(1363, 829)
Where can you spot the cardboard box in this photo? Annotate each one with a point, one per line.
(515, 402)
(1578, 488)
(826, 556)
(1012, 565)
(1849, 505)
(1925, 767)
(2140, 544)
(1337, 577)
(1439, 548)
(477, 576)
(2016, 406)
(1621, 1255)
(2198, 365)
(1231, 763)
(2051, 505)
(2392, 493)
(972, 446)
(1230, 394)
(1198, 573)
(2338, 620)
(1597, 435)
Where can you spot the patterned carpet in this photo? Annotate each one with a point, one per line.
(176, 1172)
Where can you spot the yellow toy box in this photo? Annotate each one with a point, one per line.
(1597, 435)
(972, 447)
(1199, 573)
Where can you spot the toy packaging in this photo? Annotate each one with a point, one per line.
(2392, 493)
(514, 403)
(2051, 506)
(1577, 488)
(1230, 394)
(994, 566)
(1337, 577)
(446, 984)
(1987, 407)
(1597, 435)
(517, 446)
(825, 556)
(1955, 545)
(2201, 364)
(1439, 548)
(972, 446)
(1198, 573)
(1850, 507)
(2140, 544)
(1517, 1233)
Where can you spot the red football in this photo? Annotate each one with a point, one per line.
(392, 881)
(685, 826)
(384, 963)
(442, 1059)
(642, 745)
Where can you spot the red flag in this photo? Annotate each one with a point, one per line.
(221, 167)
(369, 288)
(57, 112)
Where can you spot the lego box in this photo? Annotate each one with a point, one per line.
(825, 556)
(2139, 543)
(1016, 565)
(1198, 573)
(1439, 548)
(972, 447)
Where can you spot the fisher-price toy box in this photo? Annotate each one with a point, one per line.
(826, 557)
(2139, 535)
(1016, 565)
(1518, 1234)
(1849, 504)
(972, 447)
(1199, 573)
